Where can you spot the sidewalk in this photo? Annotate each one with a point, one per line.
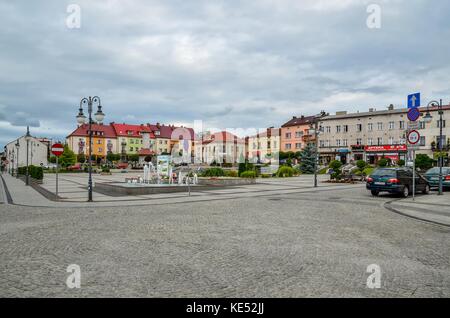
(431, 208)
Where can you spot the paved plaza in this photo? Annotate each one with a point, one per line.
(278, 238)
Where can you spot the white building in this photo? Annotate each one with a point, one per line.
(16, 152)
(375, 134)
(221, 147)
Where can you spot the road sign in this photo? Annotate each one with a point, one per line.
(413, 125)
(413, 114)
(414, 100)
(57, 149)
(413, 137)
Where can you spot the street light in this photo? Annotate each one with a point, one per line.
(27, 138)
(81, 119)
(427, 118)
(314, 130)
(17, 157)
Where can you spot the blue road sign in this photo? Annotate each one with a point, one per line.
(414, 100)
(413, 114)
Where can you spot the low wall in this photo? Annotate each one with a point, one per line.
(114, 189)
(226, 181)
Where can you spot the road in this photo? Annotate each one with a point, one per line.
(278, 244)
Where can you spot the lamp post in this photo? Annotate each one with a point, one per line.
(314, 130)
(427, 118)
(27, 138)
(81, 119)
(17, 157)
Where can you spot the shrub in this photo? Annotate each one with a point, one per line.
(401, 163)
(383, 162)
(368, 171)
(231, 173)
(336, 166)
(424, 162)
(214, 172)
(248, 174)
(33, 171)
(361, 164)
(285, 171)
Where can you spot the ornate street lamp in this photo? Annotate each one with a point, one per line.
(81, 119)
(427, 118)
(27, 138)
(17, 157)
(315, 131)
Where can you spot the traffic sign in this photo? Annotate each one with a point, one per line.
(57, 149)
(414, 100)
(413, 137)
(413, 125)
(413, 114)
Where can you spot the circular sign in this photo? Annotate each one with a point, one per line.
(57, 149)
(413, 114)
(413, 137)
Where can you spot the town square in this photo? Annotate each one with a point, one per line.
(212, 150)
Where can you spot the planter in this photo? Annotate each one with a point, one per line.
(226, 181)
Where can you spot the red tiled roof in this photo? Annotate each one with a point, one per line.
(223, 136)
(124, 129)
(106, 131)
(296, 121)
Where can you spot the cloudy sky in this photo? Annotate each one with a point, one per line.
(252, 63)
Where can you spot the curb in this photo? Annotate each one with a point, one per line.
(387, 205)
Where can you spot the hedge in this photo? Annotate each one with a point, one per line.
(34, 172)
(285, 171)
(214, 172)
(248, 174)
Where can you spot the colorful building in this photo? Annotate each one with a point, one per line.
(264, 147)
(103, 140)
(295, 133)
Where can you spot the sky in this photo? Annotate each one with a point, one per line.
(231, 64)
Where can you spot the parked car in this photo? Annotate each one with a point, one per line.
(75, 167)
(121, 165)
(396, 181)
(432, 176)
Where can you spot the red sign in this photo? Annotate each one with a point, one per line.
(413, 137)
(57, 149)
(386, 148)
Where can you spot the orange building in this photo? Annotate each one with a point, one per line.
(295, 134)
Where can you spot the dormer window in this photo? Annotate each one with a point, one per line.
(157, 133)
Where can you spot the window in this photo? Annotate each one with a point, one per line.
(100, 149)
(370, 141)
(422, 141)
(298, 134)
(345, 128)
(380, 126)
(379, 141)
(338, 129)
(402, 124)
(99, 142)
(288, 135)
(254, 145)
(298, 145)
(345, 142)
(359, 127)
(443, 124)
(391, 125)
(328, 129)
(421, 125)
(288, 146)
(274, 144)
(359, 141)
(338, 142)
(321, 143)
(370, 127)
(391, 140)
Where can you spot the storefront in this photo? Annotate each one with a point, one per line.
(393, 153)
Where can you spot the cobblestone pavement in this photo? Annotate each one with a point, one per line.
(280, 245)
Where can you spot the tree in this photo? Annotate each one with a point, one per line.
(401, 163)
(68, 157)
(423, 162)
(308, 159)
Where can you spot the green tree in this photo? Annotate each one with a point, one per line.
(401, 163)
(68, 157)
(307, 159)
(423, 162)
(361, 164)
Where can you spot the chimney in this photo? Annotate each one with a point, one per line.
(294, 117)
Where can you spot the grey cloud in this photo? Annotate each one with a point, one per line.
(233, 63)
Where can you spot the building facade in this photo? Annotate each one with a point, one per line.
(221, 147)
(373, 135)
(294, 134)
(104, 140)
(37, 153)
(264, 147)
